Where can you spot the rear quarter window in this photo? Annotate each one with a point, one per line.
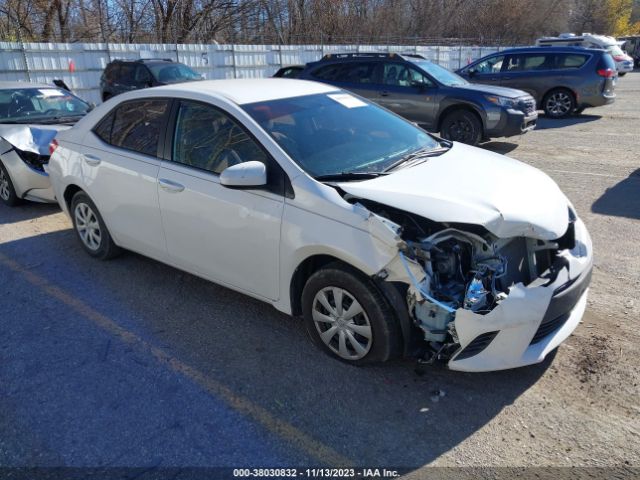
(571, 60)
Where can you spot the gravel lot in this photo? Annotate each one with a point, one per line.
(133, 363)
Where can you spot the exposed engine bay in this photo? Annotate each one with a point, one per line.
(453, 267)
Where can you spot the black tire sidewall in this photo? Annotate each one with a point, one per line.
(13, 199)
(469, 117)
(384, 326)
(546, 98)
(107, 248)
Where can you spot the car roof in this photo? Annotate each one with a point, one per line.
(15, 85)
(553, 49)
(250, 90)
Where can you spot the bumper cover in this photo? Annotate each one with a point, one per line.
(532, 321)
(514, 122)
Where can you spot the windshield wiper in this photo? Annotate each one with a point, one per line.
(61, 119)
(418, 156)
(348, 176)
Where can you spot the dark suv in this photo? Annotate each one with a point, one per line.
(563, 80)
(429, 95)
(124, 75)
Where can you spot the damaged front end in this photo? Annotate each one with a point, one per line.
(483, 302)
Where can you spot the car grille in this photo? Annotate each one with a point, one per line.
(548, 327)
(477, 345)
(527, 105)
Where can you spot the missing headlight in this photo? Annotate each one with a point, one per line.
(33, 160)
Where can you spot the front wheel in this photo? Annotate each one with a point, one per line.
(91, 229)
(462, 126)
(7, 191)
(559, 103)
(347, 317)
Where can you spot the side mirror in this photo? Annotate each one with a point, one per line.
(471, 72)
(244, 175)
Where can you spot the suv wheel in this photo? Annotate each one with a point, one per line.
(347, 317)
(559, 103)
(91, 229)
(7, 191)
(462, 126)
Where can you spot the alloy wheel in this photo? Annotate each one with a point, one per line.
(342, 323)
(461, 131)
(559, 104)
(5, 193)
(88, 226)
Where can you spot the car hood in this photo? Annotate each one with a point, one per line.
(31, 137)
(493, 90)
(473, 186)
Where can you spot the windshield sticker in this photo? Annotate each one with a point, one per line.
(347, 100)
(52, 93)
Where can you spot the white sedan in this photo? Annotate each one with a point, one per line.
(381, 236)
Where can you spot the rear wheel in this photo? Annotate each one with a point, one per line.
(558, 103)
(91, 229)
(347, 317)
(7, 191)
(462, 126)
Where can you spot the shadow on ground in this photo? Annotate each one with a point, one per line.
(26, 211)
(125, 408)
(621, 200)
(500, 147)
(545, 122)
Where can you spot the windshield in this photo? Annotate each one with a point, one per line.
(615, 50)
(338, 133)
(441, 74)
(36, 105)
(173, 73)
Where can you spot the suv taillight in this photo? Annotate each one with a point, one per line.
(52, 146)
(606, 72)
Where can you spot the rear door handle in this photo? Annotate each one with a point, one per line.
(170, 186)
(91, 159)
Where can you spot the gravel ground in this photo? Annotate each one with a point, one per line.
(133, 363)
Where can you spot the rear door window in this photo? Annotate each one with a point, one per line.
(135, 125)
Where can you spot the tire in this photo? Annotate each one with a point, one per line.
(622, 74)
(91, 229)
(7, 190)
(370, 336)
(462, 126)
(559, 103)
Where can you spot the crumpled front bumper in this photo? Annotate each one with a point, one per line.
(532, 321)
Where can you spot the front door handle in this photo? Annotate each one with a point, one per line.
(170, 186)
(91, 159)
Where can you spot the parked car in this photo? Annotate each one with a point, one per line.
(429, 95)
(31, 115)
(631, 47)
(624, 63)
(563, 80)
(292, 71)
(122, 76)
(327, 206)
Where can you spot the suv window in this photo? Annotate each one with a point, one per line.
(134, 125)
(402, 75)
(208, 139)
(490, 65)
(570, 60)
(356, 72)
(525, 62)
(125, 74)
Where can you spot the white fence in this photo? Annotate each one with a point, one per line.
(80, 64)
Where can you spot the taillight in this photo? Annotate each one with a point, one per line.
(52, 146)
(606, 72)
